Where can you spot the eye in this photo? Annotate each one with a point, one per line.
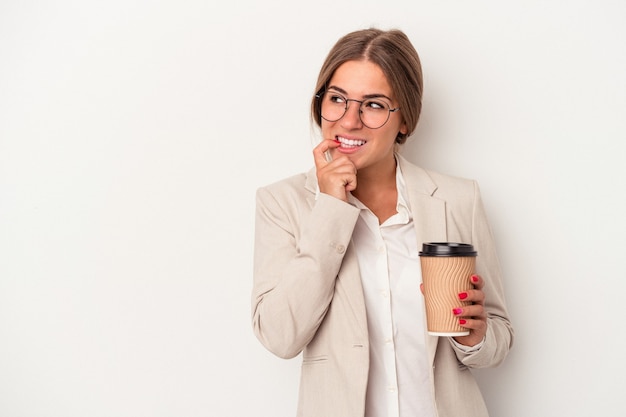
(375, 105)
(336, 98)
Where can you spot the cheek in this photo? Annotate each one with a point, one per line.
(326, 129)
(392, 133)
(400, 126)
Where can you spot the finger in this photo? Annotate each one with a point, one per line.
(319, 152)
(476, 311)
(477, 281)
(473, 296)
(474, 324)
(337, 177)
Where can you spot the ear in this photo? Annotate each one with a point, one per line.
(402, 134)
(403, 129)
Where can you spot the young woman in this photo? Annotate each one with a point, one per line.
(336, 268)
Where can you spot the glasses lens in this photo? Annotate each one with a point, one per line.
(333, 106)
(374, 113)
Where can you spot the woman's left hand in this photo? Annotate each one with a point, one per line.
(472, 317)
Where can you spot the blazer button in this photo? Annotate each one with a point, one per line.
(340, 248)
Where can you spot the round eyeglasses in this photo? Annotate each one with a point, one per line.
(373, 112)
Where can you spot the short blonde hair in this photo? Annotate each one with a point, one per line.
(393, 52)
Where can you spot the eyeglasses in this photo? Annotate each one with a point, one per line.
(373, 112)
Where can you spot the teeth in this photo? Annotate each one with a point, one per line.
(350, 142)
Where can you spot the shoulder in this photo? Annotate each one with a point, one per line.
(293, 181)
(294, 187)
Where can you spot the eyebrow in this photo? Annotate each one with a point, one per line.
(344, 92)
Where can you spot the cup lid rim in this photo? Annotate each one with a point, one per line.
(447, 249)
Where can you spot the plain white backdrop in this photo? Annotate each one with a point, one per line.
(133, 135)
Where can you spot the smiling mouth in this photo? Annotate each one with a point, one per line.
(350, 143)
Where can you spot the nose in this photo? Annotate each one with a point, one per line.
(352, 118)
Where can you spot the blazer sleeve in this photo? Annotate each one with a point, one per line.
(298, 252)
(499, 337)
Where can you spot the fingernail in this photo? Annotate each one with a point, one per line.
(457, 311)
(474, 278)
(463, 295)
(462, 321)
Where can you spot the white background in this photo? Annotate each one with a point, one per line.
(133, 135)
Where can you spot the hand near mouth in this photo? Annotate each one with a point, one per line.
(336, 177)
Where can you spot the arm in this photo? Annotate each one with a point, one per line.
(297, 256)
(498, 336)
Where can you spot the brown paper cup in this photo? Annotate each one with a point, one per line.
(446, 271)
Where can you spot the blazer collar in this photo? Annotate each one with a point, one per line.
(429, 212)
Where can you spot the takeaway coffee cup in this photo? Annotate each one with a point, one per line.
(446, 271)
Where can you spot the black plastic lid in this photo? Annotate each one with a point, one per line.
(447, 249)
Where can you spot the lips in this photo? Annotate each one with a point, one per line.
(350, 143)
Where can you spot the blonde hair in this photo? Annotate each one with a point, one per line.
(393, 52)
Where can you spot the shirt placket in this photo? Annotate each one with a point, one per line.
(389, 349)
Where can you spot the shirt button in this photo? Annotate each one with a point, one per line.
(384, 293)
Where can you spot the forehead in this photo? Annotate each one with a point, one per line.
(361, 78)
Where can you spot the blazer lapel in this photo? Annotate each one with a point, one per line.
(429, 218)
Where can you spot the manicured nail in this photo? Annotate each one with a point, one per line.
(462, 321)
(457, 311)
(463, 295)
(474, 278)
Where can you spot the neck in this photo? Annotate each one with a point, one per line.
(374, 179)
(377, 190)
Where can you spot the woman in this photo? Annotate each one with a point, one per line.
(336, 267)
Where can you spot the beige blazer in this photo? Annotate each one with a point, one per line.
(307, 295)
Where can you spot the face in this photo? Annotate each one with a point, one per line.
(366, 147)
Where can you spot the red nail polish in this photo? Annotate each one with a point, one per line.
(463, 295)
(474, 278)
(457, 311)
(462, 321)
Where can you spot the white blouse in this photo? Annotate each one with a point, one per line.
(399, 377)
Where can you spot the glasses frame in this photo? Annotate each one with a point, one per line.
(319, 96)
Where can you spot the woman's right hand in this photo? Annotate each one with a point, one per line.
(337, 177)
